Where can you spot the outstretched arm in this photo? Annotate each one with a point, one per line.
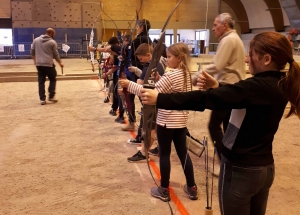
(235, 96)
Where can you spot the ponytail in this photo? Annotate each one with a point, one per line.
(290, 85)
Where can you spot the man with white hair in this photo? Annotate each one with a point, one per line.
(227, 67)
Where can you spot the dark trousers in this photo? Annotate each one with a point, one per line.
(217, 118)
(121, 108)
(44, 72)
(131, 110)
(165, 137)
(130, 99)
(115, 103)
(244, 190)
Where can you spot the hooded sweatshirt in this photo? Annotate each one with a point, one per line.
(44, 48)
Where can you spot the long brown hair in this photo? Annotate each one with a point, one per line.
(180, 49)
(281, 52)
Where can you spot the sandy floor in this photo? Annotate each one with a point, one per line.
(70, 157)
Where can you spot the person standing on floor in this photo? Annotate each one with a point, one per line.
(227, 67)
(258, 104)
(43, 51)
(144, 54)
(171, 125)
(142, 28)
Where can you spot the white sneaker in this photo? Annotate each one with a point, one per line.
(43, 102)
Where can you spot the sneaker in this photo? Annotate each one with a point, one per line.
(53, 99)
(128, 127)
(137, 157)
(161, 193)
(154, 151)
(191, 191)
(43, 102)
(120, 120)
(106, 100)
(113, 112)
(137, 140)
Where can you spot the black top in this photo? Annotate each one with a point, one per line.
(141, 38)
(116, 49)
(258, 105)
(160, 70)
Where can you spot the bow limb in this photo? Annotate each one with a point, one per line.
(92, 54)
(149, 81)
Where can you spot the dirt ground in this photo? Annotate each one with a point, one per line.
(71, 157)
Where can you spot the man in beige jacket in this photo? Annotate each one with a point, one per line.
(227, 67)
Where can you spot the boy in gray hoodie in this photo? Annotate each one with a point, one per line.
(43, 51)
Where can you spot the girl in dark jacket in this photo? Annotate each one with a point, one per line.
(257, 103)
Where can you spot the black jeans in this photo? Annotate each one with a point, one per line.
(44, 72)
(165, 137)
(217, 118)
(121, 108)
(131, 108)
(244, 190)
(115, 103)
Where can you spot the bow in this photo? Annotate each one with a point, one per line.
(126, 53)
(149, 82)
(126, 56)
(92, 54)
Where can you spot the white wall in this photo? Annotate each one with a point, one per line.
(285, 18)
(188, 34)
(257, 15)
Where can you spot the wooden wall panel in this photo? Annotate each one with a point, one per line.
(5, 9)
(69, 12)
(21, 11)
(195, 10)
(120, 9)
(225, 8)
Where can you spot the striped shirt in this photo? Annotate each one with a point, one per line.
(170, 82)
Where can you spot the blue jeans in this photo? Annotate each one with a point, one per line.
(244, 190)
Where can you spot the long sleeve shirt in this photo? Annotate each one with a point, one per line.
(228, 65)
(258, 105)
(44, 48)
(170, 82)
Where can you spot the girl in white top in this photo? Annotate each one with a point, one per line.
(171, 124)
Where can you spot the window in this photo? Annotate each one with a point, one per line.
(6, 37)
(169, 38)
(203, 35)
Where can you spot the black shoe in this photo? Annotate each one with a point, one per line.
(154, 151)
(161, 193)
(137, 140)
(137, 157)
(191, 191)
(106, 100)
(120, 120)
(113, 112)
(53, 99)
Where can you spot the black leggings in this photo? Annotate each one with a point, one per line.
(165, 137)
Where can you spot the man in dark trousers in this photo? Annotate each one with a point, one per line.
(43, 51)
